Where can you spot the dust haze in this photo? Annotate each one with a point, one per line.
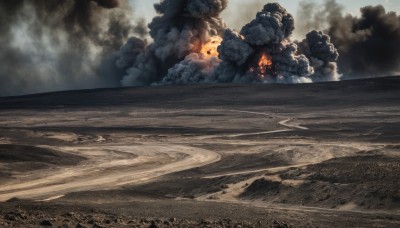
(63, 45)
(53, 45)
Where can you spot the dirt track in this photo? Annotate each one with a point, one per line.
(102, 171)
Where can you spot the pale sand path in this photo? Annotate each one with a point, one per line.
(102, 172)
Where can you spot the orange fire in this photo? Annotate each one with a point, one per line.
(264, 64)
(209, 49)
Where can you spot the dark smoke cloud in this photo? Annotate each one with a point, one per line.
(271, 26)
(56, 45)
(48, 45)
(234, 49)
(269, 34)
(317, 47)
(192, 70)
(107, 3)
(181, 29)
(72, 44)
(129, 52)
(368, 45)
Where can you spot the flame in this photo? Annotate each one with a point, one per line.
(209, 49)
(264, 64)
(264, 67)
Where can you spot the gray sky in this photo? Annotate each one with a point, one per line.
(144, 8)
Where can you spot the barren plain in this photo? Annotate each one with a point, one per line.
(310, 155)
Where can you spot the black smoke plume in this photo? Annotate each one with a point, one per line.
(185, 27)
(268, 36)
(73, 44)
(368, 45)
(178, 33)
(56, 45)
(48, 45)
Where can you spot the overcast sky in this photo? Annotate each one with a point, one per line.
(144, 8)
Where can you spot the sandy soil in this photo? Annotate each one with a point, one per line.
(275, 155)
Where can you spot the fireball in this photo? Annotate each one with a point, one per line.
(209, 49)
(264, 64)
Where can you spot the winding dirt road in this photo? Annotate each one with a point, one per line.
(284, 123)
(104, 170)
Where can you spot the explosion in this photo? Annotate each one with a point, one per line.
(264, 66)
(190, 44)
(210, 49)
(261, 52)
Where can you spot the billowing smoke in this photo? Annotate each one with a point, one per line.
(368, 45)
(192, 45)
(179, 33)
(322, 54)
(267, 52)
(48, 45)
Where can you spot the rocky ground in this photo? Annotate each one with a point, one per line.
(313, 155)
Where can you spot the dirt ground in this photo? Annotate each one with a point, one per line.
(312, 155)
